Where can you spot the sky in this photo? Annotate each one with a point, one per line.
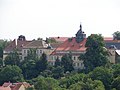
(53, 18)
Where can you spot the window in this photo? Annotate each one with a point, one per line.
(40, 51)
(24, 51)
(74, 58)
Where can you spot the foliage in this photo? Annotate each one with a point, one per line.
(1, 62)
(67, 62)
(11, 73)
(33, 63)
(12, 58)
(116, 83)
(3, 44)
(88, 85)
(32, 55)
(28, 65)
(42, 64)
(58, 72)
(51, 40)
(116, 70)
(116, 35)
(57, 62)
(95, 54)
(102, 74)
(66, 82)
(46, 84)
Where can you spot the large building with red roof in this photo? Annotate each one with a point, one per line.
(76, 46)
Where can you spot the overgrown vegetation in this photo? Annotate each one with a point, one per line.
(98, 74)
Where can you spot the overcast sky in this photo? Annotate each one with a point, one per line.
(48, 18)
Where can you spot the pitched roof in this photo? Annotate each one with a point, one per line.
(6, 84)
(111, 43)
(19, 45)
(11, 46)
(5, 88)
(35, 44)
(71, 46)
(59, 39)
(108, 38)
(16, 86)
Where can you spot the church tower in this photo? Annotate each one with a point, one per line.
(80, 35)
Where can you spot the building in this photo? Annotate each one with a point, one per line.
(15, 86)
(22, 46)
(41, 47)
(113, 47)
(75, 46)
(16, 44)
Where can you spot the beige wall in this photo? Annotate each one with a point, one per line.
(22, 87)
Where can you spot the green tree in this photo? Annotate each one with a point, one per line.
(67, 62)
(116, 83)
(32, 55)
(3, 44)
(42, 64)
(102, 74)
(116, 70)
(57, 62)
(46, 84)
(1, 62)
(28, 65)
(88, 85)
(11, 73)
(96, 55)
(116, 35)
(29, 69)
(72, 79)
(12, 58)
(58, 72)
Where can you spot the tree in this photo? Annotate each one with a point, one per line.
(67, 62)
(11, 73)
(12, 58)
(41, 64)
(3, 44)
(116, 70)
(1, 62)
(29, 69)
(116, 35)
(116, 83)
(72, 79)
(57, 62)
(28, 65)
(58, 72)
(32, 55)
(88, 85)
(102, 74)
(46, 84)
(96, 55)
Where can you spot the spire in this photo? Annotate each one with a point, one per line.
(80, 35)
(80, 27)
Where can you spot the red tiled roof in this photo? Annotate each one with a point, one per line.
(71, 46)
(108, 39)
(6, 84)
(5, 88)
(17, 86)
(59, 39)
